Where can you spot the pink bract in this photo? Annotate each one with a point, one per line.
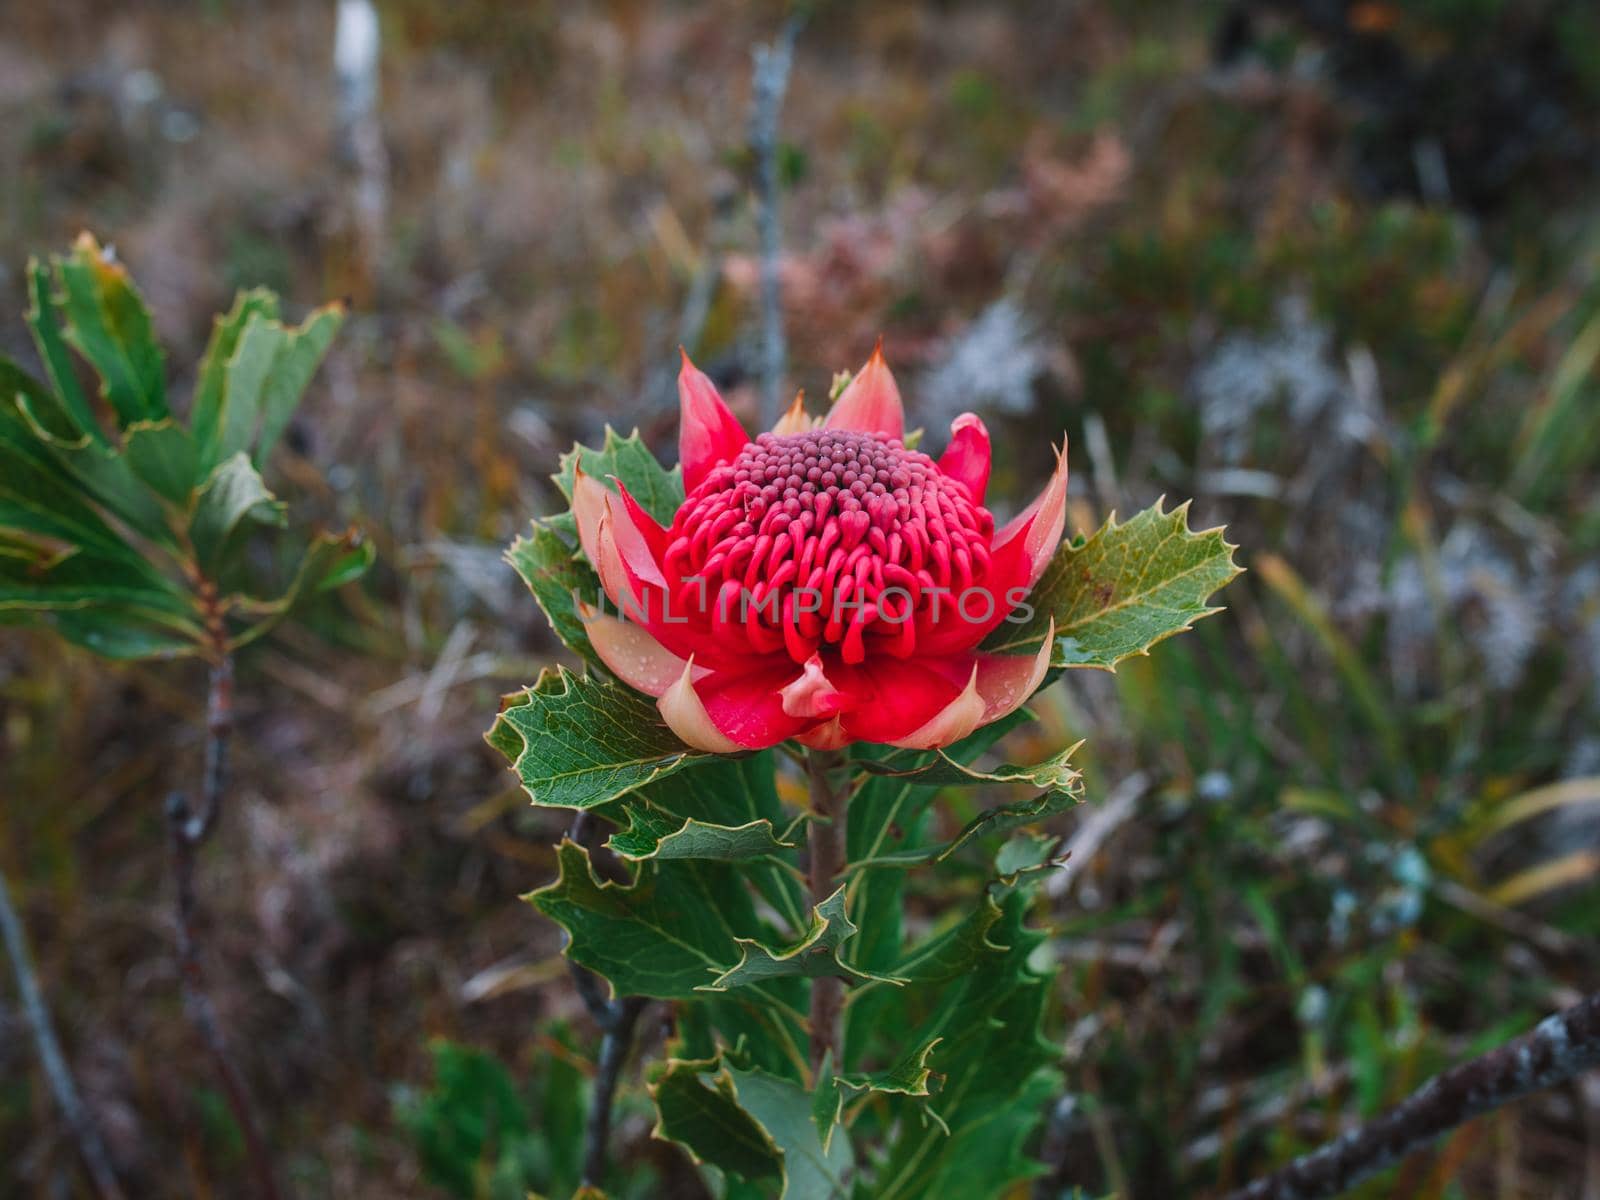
(822, 582)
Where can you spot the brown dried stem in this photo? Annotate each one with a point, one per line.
(188, 828)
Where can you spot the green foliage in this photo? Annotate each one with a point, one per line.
(942, 1068)
(480, 1135)
(997, 1073)
(751, 1124)
(126, 536)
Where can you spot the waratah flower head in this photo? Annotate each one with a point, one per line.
(823, 582)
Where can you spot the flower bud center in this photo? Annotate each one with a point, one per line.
(829, 538)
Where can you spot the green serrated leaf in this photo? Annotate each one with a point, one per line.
(696, 1107)
(233, 493)
(728, 792)
(652, 833)
(210, 393)
(952, 952)
(658, 491)
(304, 348)
(811, 1171)
(887, 815)
(663, 936)
(941, 770)
(162, 454)
(997, 1070)
(911, 1076)
(1122, 590)
(1025, 853)
(108, 324)
(556, 575)
(576, 741)
(1003, 818)
(814, 955)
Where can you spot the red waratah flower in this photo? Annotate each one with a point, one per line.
(822, 582)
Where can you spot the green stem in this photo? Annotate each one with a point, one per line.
(826, 862)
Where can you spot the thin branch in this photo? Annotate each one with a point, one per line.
(219, 735)
(768, 84)
(81, 1121)
(617, 1019)
(826, 861)
(188, 828)
(615, 1047)
(1557, 1050)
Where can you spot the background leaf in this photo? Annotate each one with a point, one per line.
(162, 454)
(45, 323)
(106, 322)
(234, 492)
(210, 394)
(304, 348)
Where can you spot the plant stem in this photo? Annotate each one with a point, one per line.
(827, 860)
(95, 1158)
(219, 735)
(188, 829)
(1558, 1049)
(622, 1018)
(617, 1019)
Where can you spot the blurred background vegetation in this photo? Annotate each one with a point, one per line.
(1329, 268)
